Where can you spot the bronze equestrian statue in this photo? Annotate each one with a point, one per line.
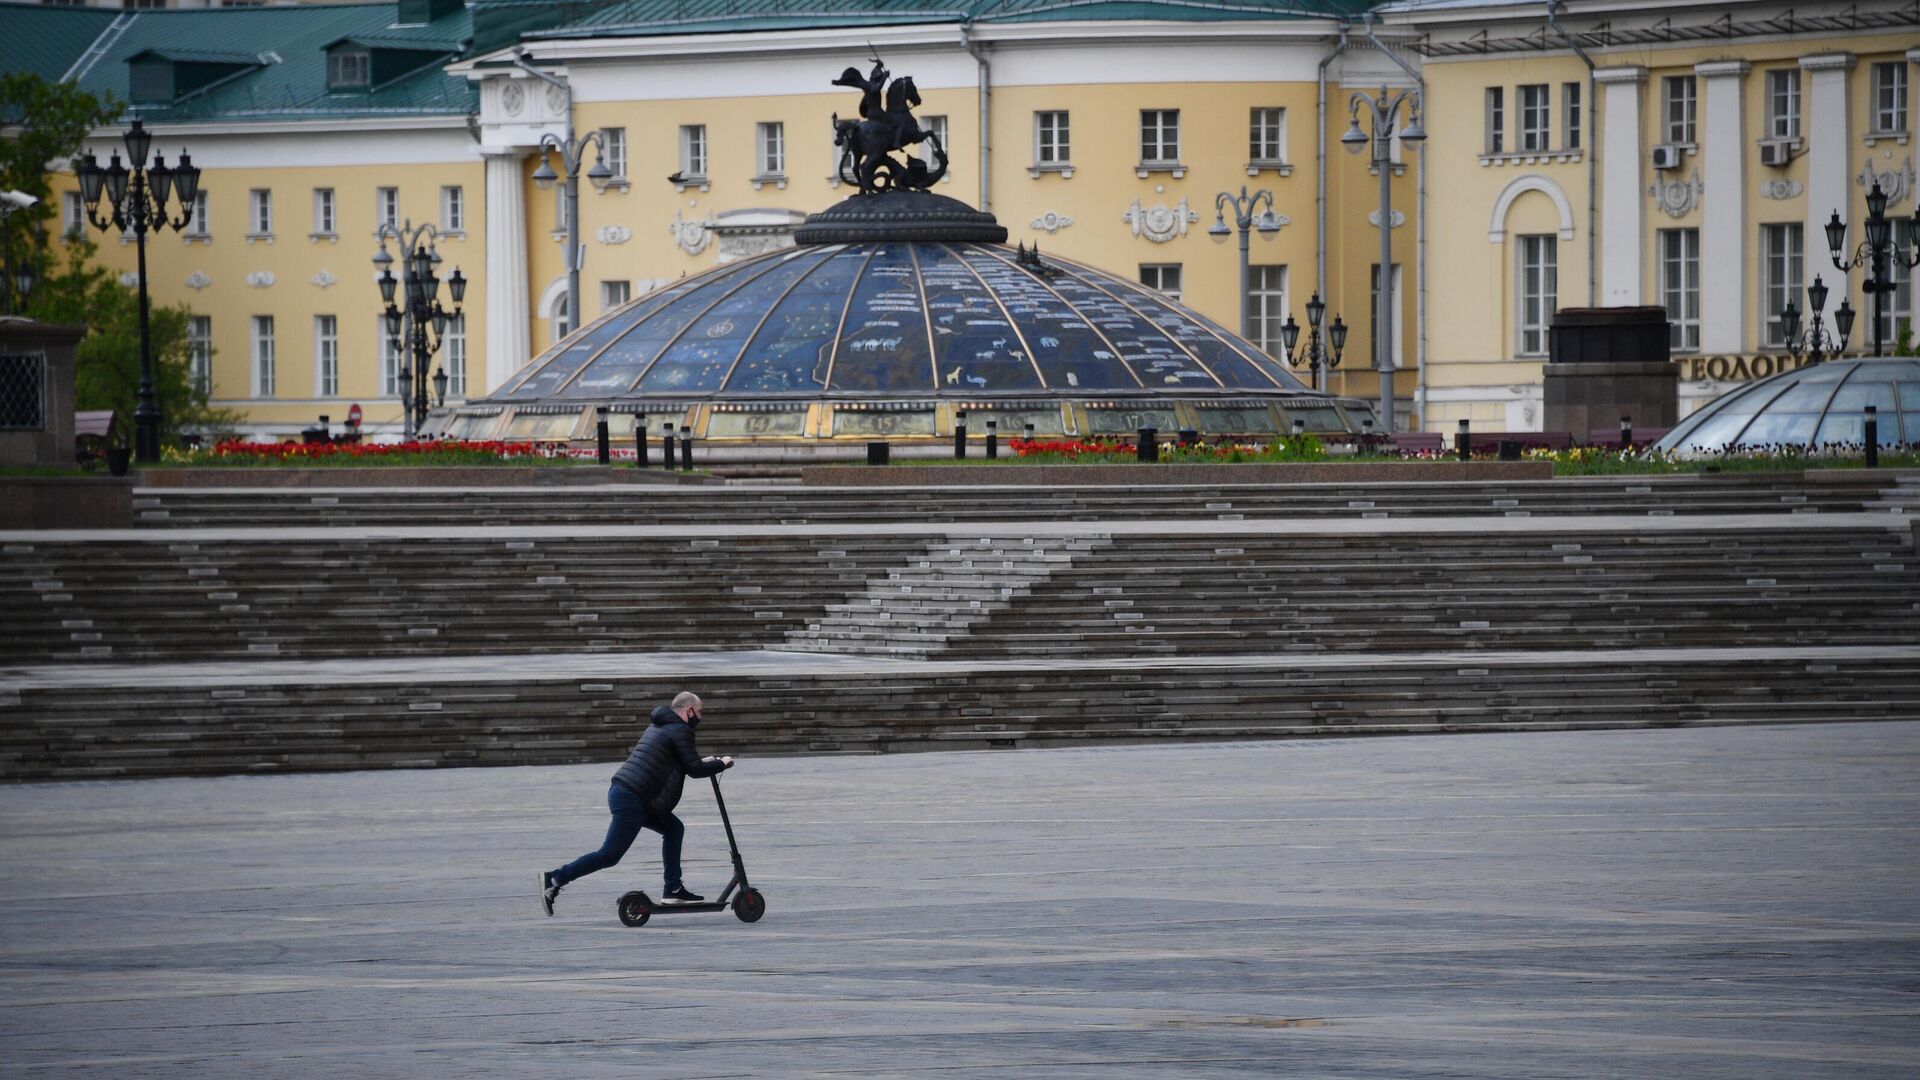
(868, 143)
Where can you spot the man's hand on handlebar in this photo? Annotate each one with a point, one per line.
(726, 763)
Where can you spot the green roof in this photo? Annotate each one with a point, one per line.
(48, 40)
(638, 17)
(287, 43)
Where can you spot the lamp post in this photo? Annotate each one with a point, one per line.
(418, 324)
(18, 280)
(1314, 355)
(1244, 218)
(1382, 113)
(137, 201)
(1818, 340)
(1877, 254)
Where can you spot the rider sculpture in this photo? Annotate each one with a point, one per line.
(867, 144)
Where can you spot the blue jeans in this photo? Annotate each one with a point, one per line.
(629, 817)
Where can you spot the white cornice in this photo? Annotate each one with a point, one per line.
(370, 124)
(1722, 69)
(1535, 12)
(930, 36)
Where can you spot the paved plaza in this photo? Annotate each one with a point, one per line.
(1715, 902)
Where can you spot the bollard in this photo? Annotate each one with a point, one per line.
(1147, 445)
(666, 446)
(640, 440)
(960, 434)
(1188, 437)
(1626, 433)
(1028, 436)
(686, 448)
(1366, 433)
(1299, 427)
(1462, 443)
(600, 435)
(879, 453)
(1870, 434)
(993, 439)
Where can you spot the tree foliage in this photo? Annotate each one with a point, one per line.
(107, 360)
(46, 121)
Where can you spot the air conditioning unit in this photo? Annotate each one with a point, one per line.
(1666, 156)
(1776, 152)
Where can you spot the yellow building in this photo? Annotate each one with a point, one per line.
(1700, 142)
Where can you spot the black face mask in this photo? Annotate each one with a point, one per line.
(693, 719)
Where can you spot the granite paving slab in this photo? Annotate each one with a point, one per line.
(1702, 903)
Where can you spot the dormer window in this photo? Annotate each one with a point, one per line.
(349, 69)
(164, 76)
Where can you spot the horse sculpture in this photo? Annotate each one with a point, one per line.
(867, 145)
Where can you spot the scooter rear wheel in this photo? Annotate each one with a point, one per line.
(749, 905)
(635, 909)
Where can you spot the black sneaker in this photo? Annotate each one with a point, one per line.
(680, 894)
(548, 891)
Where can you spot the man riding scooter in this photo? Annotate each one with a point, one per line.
(643, 794)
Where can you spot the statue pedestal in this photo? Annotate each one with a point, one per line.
(1608, 363)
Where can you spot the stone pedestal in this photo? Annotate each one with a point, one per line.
(1607, 363)
(36, 392)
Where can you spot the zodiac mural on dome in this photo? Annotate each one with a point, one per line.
(867, 144)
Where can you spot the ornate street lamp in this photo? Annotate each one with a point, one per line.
(1314, 355)
(1246, 220)
(1878, 254)
(572, 152)
(136, 201)
(416, 325)
(1818, 340)
(1382, 113)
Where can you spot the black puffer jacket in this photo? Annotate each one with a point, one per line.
(662, 760)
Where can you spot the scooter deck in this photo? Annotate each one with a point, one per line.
(661, 907)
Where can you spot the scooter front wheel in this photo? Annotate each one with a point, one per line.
(749, 905)
(635, 909)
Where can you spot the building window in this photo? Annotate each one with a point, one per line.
(562, 325)
(1159, 135)
(1267, 307)
(261, 202)
(1783, 103)
(1496, 119)
(1570, 95)
(772, 140)
(1536, 116)
(613, 150)
(935, 126)
(1900, 300)
(1052, 139)
(1680, 286)
(263, 374)
(1890, 98)
(1678, 106)
(323, 211)
(389, 362)
(198, 226)
(73, 216)
(615, 293)
(1399, 306)
(1781, 270)
(386, 206)
(1539, 284)
(349, 68)
(453, 209)
(326, 356)
(200, 352)
(693, 151)
(1162, 276)
(1267, 136)
(456, 356)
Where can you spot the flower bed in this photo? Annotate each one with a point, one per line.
(362, 455)
(1116, 452)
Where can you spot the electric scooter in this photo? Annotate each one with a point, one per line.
(636, 908)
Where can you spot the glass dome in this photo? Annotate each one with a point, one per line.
(1808, 408)
(898, 319)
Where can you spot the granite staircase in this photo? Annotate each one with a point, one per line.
(954, 585)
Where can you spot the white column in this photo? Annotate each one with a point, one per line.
(1913, 113)
(1723, 230)
(1621, 197)
(1823, 122)
(506, 269)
